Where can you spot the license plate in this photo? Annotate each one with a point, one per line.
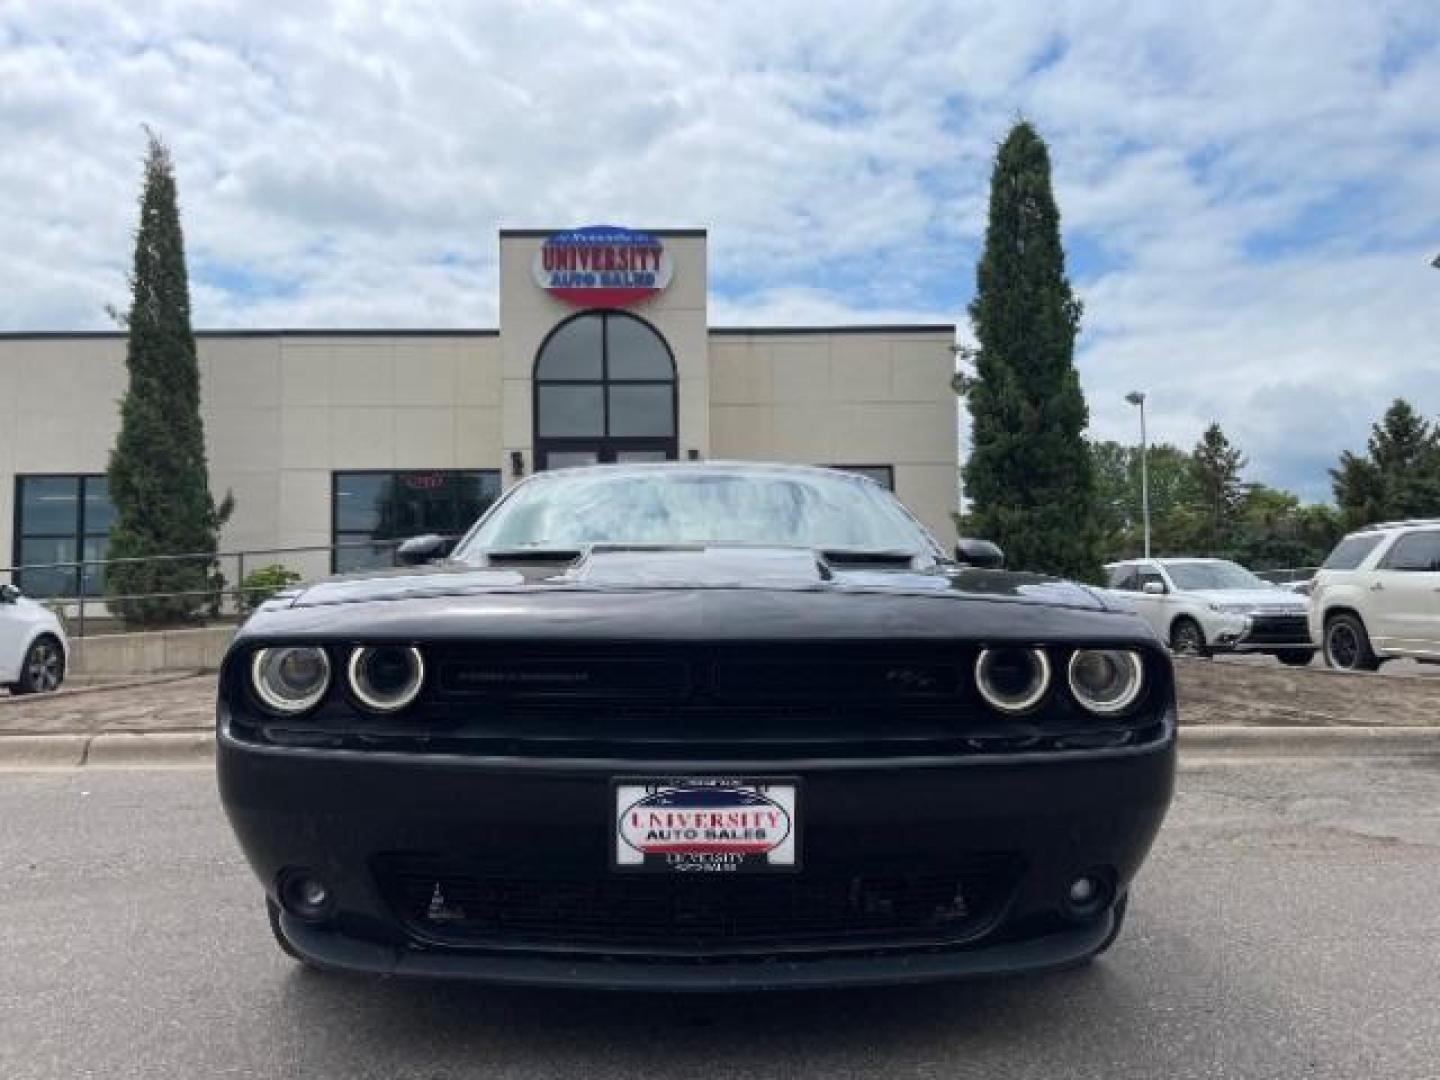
(706, 825)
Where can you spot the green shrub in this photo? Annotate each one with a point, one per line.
(261, 584)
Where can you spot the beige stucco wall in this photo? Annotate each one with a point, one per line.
(844, 397)
(281, 413)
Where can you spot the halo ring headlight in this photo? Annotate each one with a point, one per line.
(290, 679)
(1106, 682)
(386, 678)
(1012, 680)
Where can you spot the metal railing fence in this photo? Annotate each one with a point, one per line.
(226, 598)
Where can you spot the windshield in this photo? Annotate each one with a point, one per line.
(700, 506)
(1188, 576)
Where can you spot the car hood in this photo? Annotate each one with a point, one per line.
(700, 594)
(706, 568)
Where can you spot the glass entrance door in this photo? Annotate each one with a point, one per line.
(604, 392)
(566, 454)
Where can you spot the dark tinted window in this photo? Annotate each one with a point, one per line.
(573, 351)
(1125, 578)
(1147, 577)
(1414, 551)
(374, 507)
(1351, 551)
(61, 519)
(635, 352)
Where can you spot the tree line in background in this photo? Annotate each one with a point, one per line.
(1060, 504)
(1201, 503)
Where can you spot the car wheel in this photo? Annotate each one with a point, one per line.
(43, 669)
(1296, 657)
(1347, 645)
(272, 910)
(1187, 639)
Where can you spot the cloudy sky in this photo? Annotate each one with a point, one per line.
(1250, 192)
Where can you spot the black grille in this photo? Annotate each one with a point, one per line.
(709, 913)
(1278, 629)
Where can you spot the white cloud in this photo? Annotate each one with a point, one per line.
(1248, 190)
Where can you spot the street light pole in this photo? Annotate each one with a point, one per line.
(1136, 397)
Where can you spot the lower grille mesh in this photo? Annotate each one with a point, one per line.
(698, 912)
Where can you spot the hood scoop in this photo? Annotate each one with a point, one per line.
(714, 567)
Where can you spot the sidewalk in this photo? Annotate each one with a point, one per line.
(180, 702)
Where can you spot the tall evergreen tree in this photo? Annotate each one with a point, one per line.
(1219, 489)
(1400, 475)
(1029, 477)
(158, 477)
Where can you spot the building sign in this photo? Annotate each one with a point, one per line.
(602, 266)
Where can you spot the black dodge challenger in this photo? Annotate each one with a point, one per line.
(695, 726)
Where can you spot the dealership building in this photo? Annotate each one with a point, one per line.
(604, 353)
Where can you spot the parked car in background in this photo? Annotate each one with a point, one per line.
(33, 647)
(1377, 596)
(1205, 606)
(696, 726)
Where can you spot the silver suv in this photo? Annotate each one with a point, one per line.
(1378, 596)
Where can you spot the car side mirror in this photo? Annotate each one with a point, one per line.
(970, 551)
(418, 550)
(9, 593)
(1154, 588)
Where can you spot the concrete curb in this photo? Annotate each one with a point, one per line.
(113, 750)
(196, 747)
(1350, 740)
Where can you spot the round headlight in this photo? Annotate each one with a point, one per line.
(386, 678)
(1106, 681)
(290, 680)
(1012, 680)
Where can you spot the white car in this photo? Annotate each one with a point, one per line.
(1205, 606)
(1378, 596)
(33, 648)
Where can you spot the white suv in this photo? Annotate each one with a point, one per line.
(1378, 596)
(1205, 606)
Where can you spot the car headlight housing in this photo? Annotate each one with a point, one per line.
(386, 678)
(1013, 680)
(290, 679)
(1106, 681)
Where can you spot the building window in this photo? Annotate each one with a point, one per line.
(604, 391)
(60, 519)
(884, 475)
(371, 507)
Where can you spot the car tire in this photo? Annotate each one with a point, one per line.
(272, 910)
(1347, 645)
(43, 668)
(1296, 657)
(1187, 638)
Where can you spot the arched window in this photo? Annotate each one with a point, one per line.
(604, 391)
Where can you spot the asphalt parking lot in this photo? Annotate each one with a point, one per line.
(1284, 927)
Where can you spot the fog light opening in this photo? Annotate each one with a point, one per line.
(306, 896)
(1088, 895)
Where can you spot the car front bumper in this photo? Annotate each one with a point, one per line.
(344, 815)
(1258, 633)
